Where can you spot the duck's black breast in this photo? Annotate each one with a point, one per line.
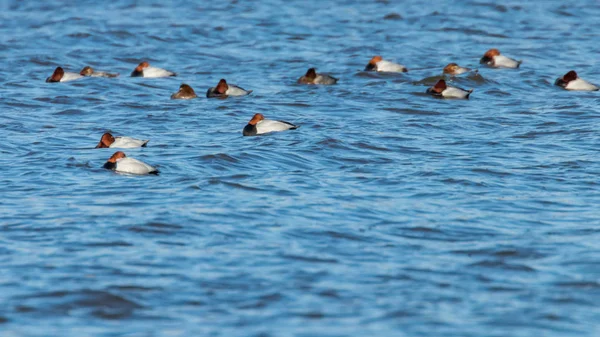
(136, 73)
(250, 130)
(212, 92)
(110, 166)
(433, 92)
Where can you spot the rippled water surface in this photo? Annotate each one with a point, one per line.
(387, 213)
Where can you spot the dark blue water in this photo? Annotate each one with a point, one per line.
(387, 213)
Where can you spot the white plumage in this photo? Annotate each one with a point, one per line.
(580, 84)
(128, 143)
(70, 77)
(156, 72)
(267, 125)
(133, 166)
(387, 66)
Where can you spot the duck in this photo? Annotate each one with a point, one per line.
(89, 71)
(119, 162)
(440, 89)
(60, 75)
(572, 82)
(107, 140)
(224, 90)
(259, 125)
(145, 70)
(494, 59)
(377, 63)
(311, 77)
(455, 69)
(184, 92)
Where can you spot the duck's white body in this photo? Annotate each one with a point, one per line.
(454, 92)
(128, 143)
(102, 74)
(267, 125)
(70, 77)
(325, 79)
(156, 72)
(234, 90)
(387, 66)
(460, 70)
(501, 61)
(133, 166)
(580, 84)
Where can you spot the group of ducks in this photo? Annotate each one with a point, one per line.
(258, 124)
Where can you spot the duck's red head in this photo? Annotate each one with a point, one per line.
(375, 59)
(142, 66)
(439, 86)
(57, 75)
(222, 87)
(570, 76)
(116, 156)
(256, 118)
(86, 71)
(106, 140)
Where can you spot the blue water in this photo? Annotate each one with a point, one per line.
(387, 213)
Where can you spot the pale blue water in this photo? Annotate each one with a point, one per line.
(387, 213)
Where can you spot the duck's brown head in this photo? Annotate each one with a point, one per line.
(222, 87)
(489, 55)
(142, 66)
(256, 118)
(116, 156)
(86, 71)
(439, 87)
(451, 68)
(372, 65)
(570, 76)
(105, 140)
(311, 73)
(57, 75)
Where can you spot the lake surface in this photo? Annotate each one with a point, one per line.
(387, 213)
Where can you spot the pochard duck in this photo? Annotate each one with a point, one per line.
(60, 75)
(185, 92)
(494, 59)
(108, 141)
(311, 77)
(377, 63)
(572, 82)
(455, 69)
(145, 70)
(440, 89)
(259, 125)
(119, 162)
(89, 71)
(224, 90)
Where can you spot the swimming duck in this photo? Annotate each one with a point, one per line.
(455, 69)
(89, 71)
(377, 63)
(185, 92)
(259, 125)
(107, 140)
(440, 89)
(60, 75)
(119, 162)
(572, 82)
(145, 70)
(311, 77)
(224, 90)
(494, 59)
